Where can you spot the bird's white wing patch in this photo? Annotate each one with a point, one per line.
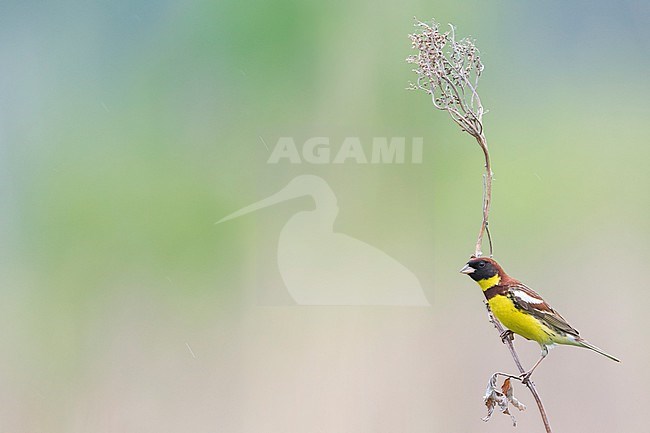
(525, 297)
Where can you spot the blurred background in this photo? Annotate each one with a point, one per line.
(128, 128)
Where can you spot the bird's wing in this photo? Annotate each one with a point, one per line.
(530, 301)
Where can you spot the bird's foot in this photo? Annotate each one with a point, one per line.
(525, 377)
(507, 335)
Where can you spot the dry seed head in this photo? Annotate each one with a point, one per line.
(448, 70)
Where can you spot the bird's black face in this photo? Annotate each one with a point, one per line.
(480, 269)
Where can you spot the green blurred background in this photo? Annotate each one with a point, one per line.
(128, 128)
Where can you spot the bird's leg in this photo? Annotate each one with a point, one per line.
(507, 335)
(526, 376)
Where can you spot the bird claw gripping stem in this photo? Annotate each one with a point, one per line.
(507, 335)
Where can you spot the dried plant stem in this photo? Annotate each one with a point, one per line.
(530, 385)
(448, 70)
(487, 197)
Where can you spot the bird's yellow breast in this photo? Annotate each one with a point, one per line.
(518, 322)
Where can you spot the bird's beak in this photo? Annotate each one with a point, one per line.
(283, 195)
(467, 269)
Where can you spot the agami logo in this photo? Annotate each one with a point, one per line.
(323, 150)
(322, 267)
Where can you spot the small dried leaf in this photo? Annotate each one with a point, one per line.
(500, 397)
(505, 388)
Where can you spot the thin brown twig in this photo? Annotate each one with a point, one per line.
(487, 196)
(529, 384)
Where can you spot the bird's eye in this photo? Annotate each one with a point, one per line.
(481, 264)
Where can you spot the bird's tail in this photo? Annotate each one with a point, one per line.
(585, 343)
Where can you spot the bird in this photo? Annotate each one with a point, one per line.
(321, 266)
(523, 311)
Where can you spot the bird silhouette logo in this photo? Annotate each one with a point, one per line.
(322, 267)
